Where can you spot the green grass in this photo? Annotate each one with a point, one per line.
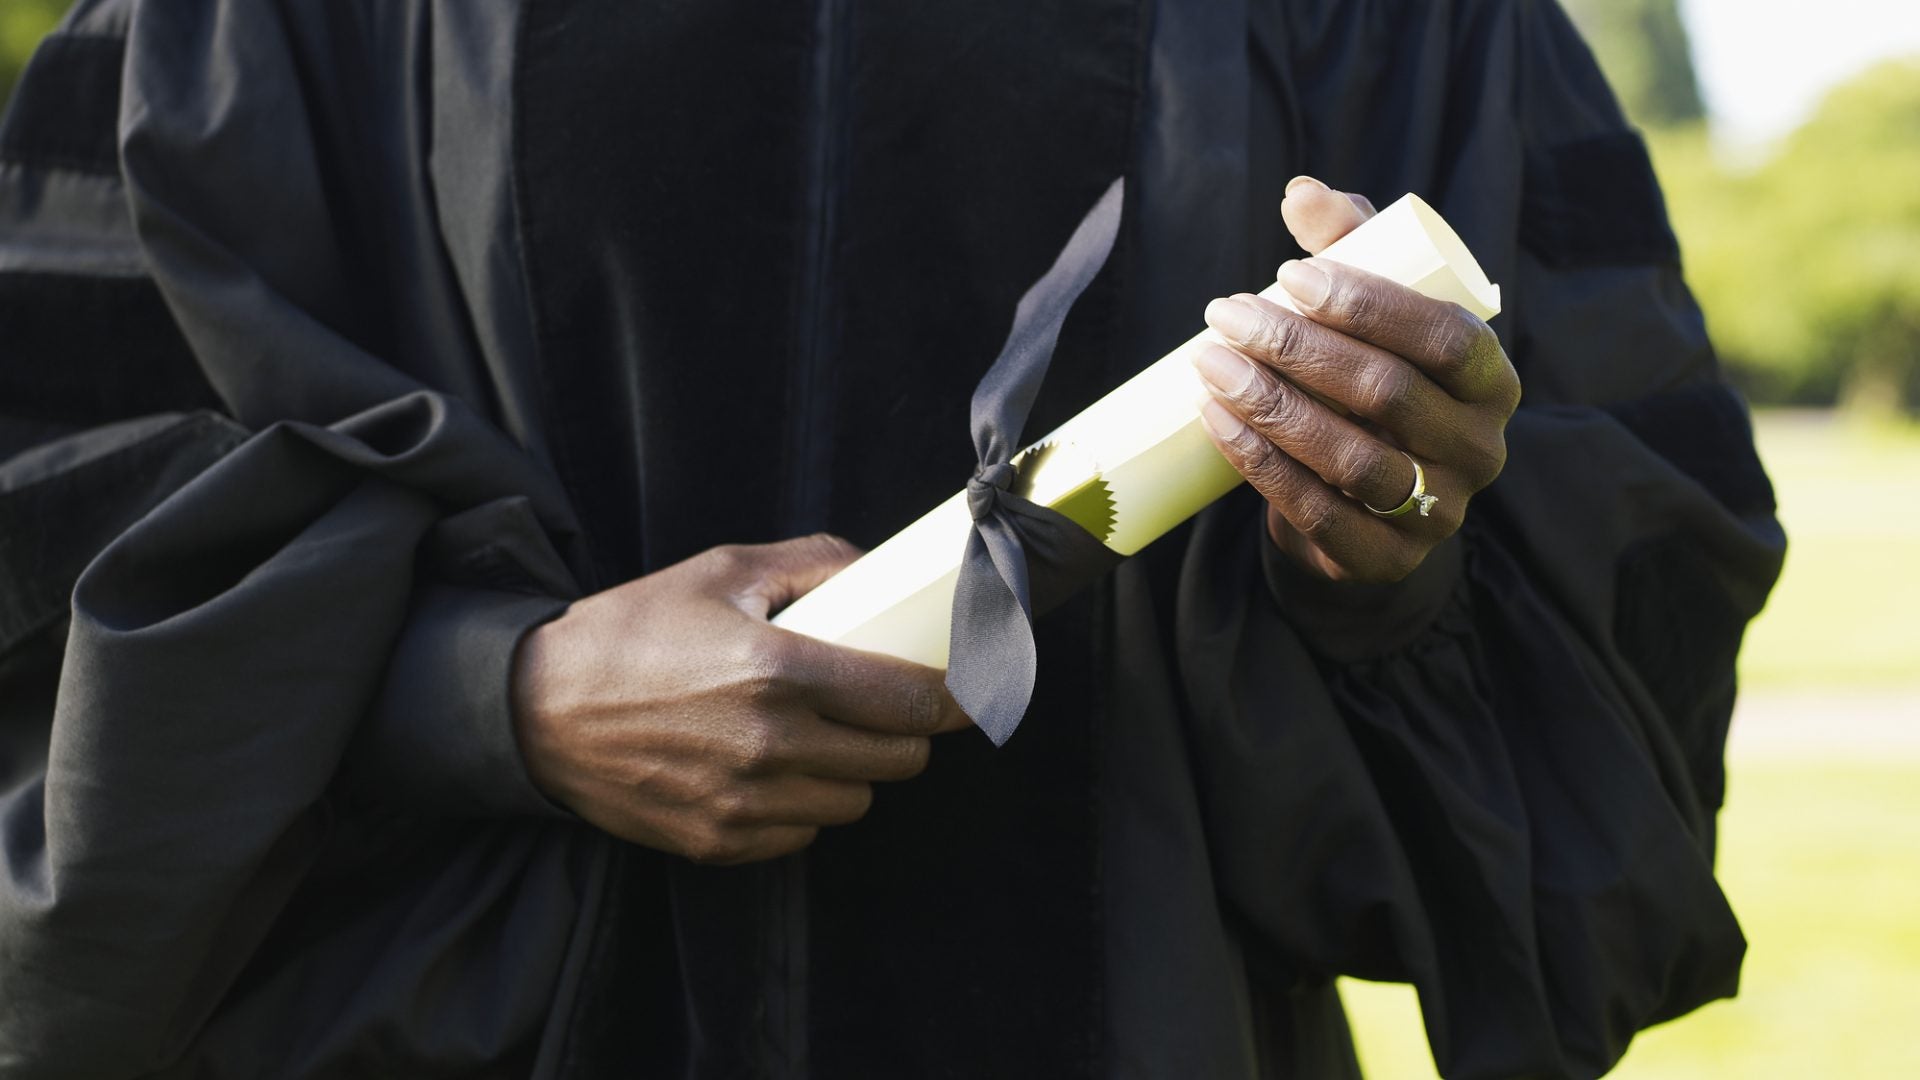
(1820, 849)
(1847, 610)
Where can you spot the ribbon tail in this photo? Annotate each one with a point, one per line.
(1006, 393)
(993, 660)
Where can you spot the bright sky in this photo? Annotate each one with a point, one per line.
(1764, 64)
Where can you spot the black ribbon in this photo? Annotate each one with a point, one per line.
(1021, 555)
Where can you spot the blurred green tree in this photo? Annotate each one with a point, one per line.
(22, 24)
(1809, 266)
(1643, 47)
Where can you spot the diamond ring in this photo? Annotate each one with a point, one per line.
(1418, 497)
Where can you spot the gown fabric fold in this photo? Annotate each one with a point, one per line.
(341, 345)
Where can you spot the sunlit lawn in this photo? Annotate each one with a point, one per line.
(1820, 840)
(1847, 611)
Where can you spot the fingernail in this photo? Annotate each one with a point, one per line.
(1308, 283)
(1306, 180)
(1224, 369)
(1220, 420)
(1234, 319)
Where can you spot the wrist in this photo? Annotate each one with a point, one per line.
(533, 718)
(439, 736)
(1350, 622)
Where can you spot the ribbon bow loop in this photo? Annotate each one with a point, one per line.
(992, 661)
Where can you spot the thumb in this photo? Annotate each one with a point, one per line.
(778, 574)
(1317, 215)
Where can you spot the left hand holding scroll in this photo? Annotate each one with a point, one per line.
(1369, 421)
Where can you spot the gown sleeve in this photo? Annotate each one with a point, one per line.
(1498, 779)
(288, 218)
(258, 620)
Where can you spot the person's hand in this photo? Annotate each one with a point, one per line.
(1316, 411)
(668, 712)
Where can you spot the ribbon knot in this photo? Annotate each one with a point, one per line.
(988, 484)
(992, 661)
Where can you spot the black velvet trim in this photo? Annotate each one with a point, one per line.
(1702, 429)
(706, 232)
(92, 350)
(65, 112)
(627, 1023)
(1595, 202)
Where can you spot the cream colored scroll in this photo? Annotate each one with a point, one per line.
(1129, 468)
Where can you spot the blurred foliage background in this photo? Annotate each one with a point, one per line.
(1648, 59)
(1806, 260)
(22, 23)
(1805, 255)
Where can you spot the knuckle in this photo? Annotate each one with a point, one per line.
(730, 805)
(755, 747)
(911, 758)
(923, 708)
(1244, 446)
(820, 549)
(1265, 469)
(1508, 399)
(727, 560)
(1267, 335)
(761, 665)
(714, 845)
(1453, 340)
(1386, 387)
(1292, 339)
(1497, 457)
(1475, 359)
(829, 545)
(1355, 464)
(1486, 459)
(1279, 407)
(1318, 516)
(1253, 393)
(1482, 342)
(1358, 303)
(1447, 517)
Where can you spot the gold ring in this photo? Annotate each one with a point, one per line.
(1419, 496)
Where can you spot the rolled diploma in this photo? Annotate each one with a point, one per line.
(1145, 440)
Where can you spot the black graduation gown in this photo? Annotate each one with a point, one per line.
(341, 344)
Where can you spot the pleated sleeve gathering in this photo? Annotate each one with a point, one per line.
(1497, 780)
